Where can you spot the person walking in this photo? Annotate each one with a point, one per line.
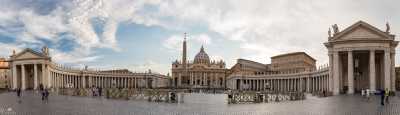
(367, 93)
(363, 93)
(46, 94)
(100, 91)
(387, 95)
(19, 92)
(43, 94)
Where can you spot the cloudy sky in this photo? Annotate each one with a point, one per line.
(143, 34)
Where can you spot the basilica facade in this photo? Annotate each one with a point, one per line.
(202, 72)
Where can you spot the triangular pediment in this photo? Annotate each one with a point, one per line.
(29, 54)
(361, 31)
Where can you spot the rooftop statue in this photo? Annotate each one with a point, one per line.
(387, 27)
(335, 28)
(329, 32)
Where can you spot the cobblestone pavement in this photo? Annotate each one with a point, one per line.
(31, 103)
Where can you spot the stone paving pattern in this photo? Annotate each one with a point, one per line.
(31, 104)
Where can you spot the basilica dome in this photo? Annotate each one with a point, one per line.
(202, 57)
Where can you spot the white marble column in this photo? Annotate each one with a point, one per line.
(372, 77)
(308, 84)
(387, 69)
(83, 81)
(47, 74)
(330, 77)
(23, 77)
(393, 72)
(35, 76)
(350, 70)
(336, 73)
(14, 75)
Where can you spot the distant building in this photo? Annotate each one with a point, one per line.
(292, 62)
(200, 73)
(244, 66)
(4, 74)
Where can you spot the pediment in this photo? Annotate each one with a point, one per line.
(361, 31)
(29, 54)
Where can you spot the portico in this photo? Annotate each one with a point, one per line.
(29, 69)
(361, 57)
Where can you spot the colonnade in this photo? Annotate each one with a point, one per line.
(308, 81)
(76, 80)
(295, 84)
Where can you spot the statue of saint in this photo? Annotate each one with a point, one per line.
(329, 32)
(45, 50)
(335, 28)
(387, 27)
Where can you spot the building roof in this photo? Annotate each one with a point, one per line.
(202, 57)
(4, 63)
(293, 53)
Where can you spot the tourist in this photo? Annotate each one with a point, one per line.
(100, 91)
(18, 92)
(387, 95)
(382, 93)
(362, 92)
(367, 93)
(46, 94)
(93, 91)
(19, 95)
(41, 87)
(43, 94)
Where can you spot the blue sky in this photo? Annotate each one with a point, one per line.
(147, 34)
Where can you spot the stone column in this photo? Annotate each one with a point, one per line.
(336, 73)
(393, 72)
(14, 75)
(387, 69)
(35, 76)
(83, 81)
(23, 77)
(330, 77)
(372, 77)
(308, 84)
(350, 70)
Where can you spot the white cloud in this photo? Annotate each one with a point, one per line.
(174, 42)
(154, 66)
(263, 28)
(203, 39)
(71, 57)
(267, 27)
(73, 18)
(7, 49)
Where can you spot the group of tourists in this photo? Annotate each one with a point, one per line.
(366, 93)
(97, 91)
(45, 93)
(384, 95)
